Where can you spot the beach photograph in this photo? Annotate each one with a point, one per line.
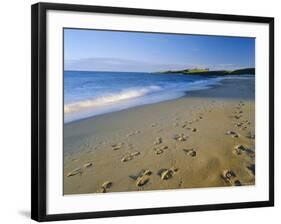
(150, 111)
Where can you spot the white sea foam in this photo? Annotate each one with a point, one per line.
(110, 99)
(239, 77)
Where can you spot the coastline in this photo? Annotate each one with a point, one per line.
(185, 138)
(217, 93)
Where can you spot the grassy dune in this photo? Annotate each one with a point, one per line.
(208, 72)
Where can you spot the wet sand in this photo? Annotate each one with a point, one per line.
(205, 139)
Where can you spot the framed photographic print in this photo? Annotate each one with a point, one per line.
(138, 111)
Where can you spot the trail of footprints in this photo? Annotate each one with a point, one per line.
(144, 176)
(229, 176)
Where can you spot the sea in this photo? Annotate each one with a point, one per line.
(91, 93)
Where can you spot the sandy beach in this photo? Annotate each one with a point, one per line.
(205, 139)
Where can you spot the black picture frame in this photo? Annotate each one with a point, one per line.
(38, 108)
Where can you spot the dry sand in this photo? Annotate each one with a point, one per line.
(205, 139)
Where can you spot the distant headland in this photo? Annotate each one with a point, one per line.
(206, 71)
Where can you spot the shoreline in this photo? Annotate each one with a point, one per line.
(187, 142)
(192, 93)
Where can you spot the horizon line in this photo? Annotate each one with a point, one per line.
(67, 70)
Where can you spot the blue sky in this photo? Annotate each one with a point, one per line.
(95, 50)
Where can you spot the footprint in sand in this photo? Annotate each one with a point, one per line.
(79, 170)
(141, 181)
(239, 124)
(141, 173)
(130, 156)
(133, 133)
(142, 177)
(188, 128)
(166, 174)
(88, 165)
(230, 177)
(117, 146)
(252, 169)
(158, 141)
(191, 152)
(184, 126)
(247, 122)
(243, 125)
(160, 150)
(237, 116)
(180, 137)
(233, 134)
(106, 185)
(239, 149)
(75, 172)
